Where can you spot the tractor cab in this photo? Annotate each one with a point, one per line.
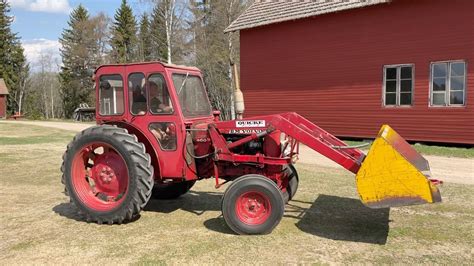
(156, 102)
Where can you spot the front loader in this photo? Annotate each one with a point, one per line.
(157, 135)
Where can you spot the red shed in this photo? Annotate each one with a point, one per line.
(3, 99)
(351, 66)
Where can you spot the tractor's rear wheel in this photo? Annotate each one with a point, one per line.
(253, 204)
(293, 182)
(107, 174)
(172, 190)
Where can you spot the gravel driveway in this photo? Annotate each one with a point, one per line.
(448, 169)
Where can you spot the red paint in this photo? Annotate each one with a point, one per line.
(253, 208)
(167, 163)
(219, 146)
(108, 173)
(3, 106)
(329, 68)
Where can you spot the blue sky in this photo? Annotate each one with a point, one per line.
(40, 23)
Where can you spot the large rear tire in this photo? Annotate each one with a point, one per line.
(107, 174)
(253, 204)
(172, 190)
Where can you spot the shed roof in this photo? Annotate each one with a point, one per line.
(3, 87)
(268, 12)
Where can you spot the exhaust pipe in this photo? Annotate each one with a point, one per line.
(238, 95)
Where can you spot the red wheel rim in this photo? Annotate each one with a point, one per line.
(253, 208)
(99, 176)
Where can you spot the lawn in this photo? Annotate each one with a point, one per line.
(428, 149)
(325, 223)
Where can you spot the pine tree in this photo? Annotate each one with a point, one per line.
(79, 55)
(145, 40)
(124, 30)
(13, 65)
(158, 34)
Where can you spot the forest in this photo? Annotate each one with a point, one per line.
(186, 32)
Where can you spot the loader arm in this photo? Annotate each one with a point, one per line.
(391, 174)
(316, 138)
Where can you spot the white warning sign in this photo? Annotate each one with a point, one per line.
(250, 123)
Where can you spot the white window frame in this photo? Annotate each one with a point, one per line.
(447, 96)
(398, 84)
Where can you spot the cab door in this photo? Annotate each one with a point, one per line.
(153, 111)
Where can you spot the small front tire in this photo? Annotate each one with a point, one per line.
(253, 204)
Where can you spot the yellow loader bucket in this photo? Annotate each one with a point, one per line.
(394, 174)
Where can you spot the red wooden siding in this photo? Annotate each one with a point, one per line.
(3, 106)
(329, 68)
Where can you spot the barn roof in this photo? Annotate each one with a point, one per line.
(268, 12)
(3, 87)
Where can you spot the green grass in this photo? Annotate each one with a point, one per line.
(324, 224)
(31, 135)
(444, 151)
(426, 149)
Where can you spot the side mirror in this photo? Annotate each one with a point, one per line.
(217, 115)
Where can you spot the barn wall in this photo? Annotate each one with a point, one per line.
(329, 68)
(3, 107)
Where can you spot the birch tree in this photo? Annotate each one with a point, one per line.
(167, 27)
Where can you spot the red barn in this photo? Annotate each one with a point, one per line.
(3, 99)
(351, 66)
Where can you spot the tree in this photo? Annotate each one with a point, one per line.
(158, 36)
(145, 44)
(124, 30)
(167, 29)
(43, 94)
(80, 54)
(213, 50)
(13, 66)
(101, 30)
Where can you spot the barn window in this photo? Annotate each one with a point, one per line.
(111, 100)
(398, 85)
(448, 83)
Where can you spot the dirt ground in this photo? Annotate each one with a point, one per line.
(448, 169)
(324, 224)
(71, 126)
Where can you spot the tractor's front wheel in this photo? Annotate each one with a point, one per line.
(253, 204)
(107, 174)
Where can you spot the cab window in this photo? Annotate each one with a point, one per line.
(192, 95)
(111, 100)
(160, 101)
(165, 134)
(137, 93)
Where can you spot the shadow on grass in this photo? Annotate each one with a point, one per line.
(330, 217)
(344, 219)
(219, 225)
(197, 203)
(193, 201)
(70, 211)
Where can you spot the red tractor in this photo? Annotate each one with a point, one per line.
(157, 135)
